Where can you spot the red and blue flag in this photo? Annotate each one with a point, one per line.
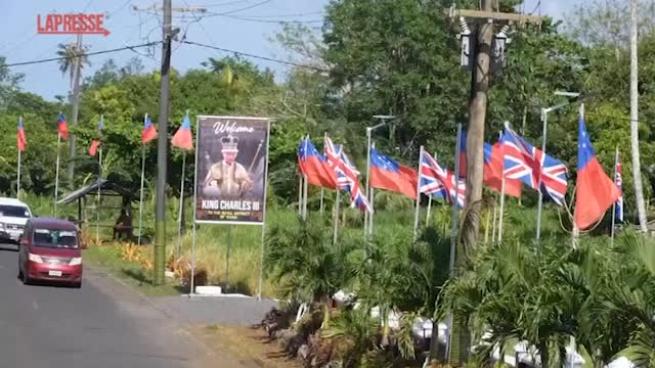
(439, 182)
(314, 166)
(530, 165)
(389, 175)
(149, 131)
(493, 171)
(95, 143)
(347, 175)
(595, 192)
(183, 138)
(21, 139)
(62, 126)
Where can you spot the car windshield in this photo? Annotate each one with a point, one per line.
(14, 211)
(52, 238)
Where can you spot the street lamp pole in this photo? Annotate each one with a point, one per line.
(368, 218)
(544, 119)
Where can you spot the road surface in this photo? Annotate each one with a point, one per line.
(101, 325)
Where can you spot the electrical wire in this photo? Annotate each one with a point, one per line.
(41, 61)
(252, 6)
(265, 58)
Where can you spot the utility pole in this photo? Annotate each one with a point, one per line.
(75, 102)
(480, 51)
(168, 34)
(162, 148)
(634, 116)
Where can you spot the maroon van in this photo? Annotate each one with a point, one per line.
(50, 252)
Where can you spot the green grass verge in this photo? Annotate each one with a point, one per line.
(108, 259)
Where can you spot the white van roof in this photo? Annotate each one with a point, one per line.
(12, 202)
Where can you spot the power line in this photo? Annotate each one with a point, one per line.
(276, 21)
(266, 58)
(41, 61)
(244, 8)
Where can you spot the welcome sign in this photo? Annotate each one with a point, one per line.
(231, 164)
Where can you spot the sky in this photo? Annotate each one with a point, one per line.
(242, 25)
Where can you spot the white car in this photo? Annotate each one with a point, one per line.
(13, 216)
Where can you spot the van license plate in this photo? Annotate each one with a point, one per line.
(54, 273)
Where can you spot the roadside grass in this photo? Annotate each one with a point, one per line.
(107, 258)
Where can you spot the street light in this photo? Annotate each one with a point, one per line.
(544, 119)
(368, 218)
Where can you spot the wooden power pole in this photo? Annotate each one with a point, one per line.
(482, 58)
(75, 103)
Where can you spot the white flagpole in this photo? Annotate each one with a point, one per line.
(57, 173)
(301, 177)
(179, 214)
(143, 169)
(304, 192)
(427, 215)
(337, 203)
(494, 221)
(418, 194)
(502, 207)
(18, 174)
(322, 201)
(368, 228)
(616, 161)
(455, 213)
(98, 196)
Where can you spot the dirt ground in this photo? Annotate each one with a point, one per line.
(251, 346)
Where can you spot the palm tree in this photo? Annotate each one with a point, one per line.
(70, 54)
(308, 268)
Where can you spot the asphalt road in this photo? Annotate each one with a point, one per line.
(101, 325)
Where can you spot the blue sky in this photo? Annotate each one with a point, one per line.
(20, 42)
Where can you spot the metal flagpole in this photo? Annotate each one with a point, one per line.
(494, 221)
(321, 208)
(18, 175)
(455, 213)
(98, 195)
(301, 177)
(263, 243)
(427, 215)
(501, 212)
(544, 119)
(501, 215)
(304, 192)
(143, 169)
(454, 224)
(194, 227)
(337, 204)
(57, 173)
(616, 161)
(418, 194)
(368, 179)
(370, 197)
(179, 214)
(227, 257)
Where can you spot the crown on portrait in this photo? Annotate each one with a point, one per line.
(230, 143)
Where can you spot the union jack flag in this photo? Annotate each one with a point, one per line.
(347, 175)
(439, 182)
(534, 168)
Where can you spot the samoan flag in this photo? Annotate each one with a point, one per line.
(389, 175)
(62, 126)
(183, 138)
(95, 143)
(439, 182)
(347, 175)
(595, 192)
(313, 165)
(149, 131)
(618, 180)
(537, 170)
(21, 139)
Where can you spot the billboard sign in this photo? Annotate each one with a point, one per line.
(231, 164)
